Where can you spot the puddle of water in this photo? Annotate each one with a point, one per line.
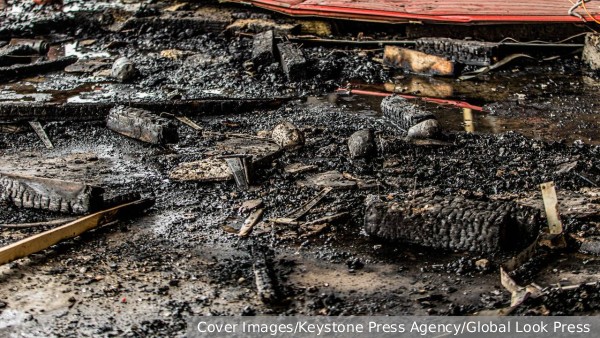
(576, 92)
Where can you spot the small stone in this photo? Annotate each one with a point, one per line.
(426, 129)
(287, 135)
(362, 144)
(2, 304)
(355, 264)
(174, 282)
(482, 264)
(123, 70)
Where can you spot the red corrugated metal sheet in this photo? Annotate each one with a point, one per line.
(451, 11)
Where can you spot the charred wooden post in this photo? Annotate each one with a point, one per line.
(142, 125)
(293, 61)
(263, 48)
(402, 113)
(49, 194)
(417, 62)
(453, 223)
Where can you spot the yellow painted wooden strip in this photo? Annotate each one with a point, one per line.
(48, 238)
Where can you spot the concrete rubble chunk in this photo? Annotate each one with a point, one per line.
(417, 62)
(361, 144)
(49, 194)
(293, 61)
(142, 125)
(287, 135)
(453, 223)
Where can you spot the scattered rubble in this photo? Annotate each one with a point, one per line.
(207, 170)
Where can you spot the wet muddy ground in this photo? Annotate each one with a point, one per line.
(149, 275)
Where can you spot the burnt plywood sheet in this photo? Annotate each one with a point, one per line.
(450, 11)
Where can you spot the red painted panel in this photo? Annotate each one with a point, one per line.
(460, 11)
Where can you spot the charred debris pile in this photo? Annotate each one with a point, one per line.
(245, 122)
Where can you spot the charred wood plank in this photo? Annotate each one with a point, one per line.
(453, 223)
(198, 22)
(403, 113)
(142, 125)
(292, 59)
(263, 48)
(266, 283)
(23, 70)
(49, 194)
(93, 111)
(469, 52)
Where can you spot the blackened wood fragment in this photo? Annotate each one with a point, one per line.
(49, 194)
(293, 61)
(142, 125)
(263, 48)
(453, 223)
(24, 70)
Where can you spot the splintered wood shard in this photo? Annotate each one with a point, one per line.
(41, 133)
(49, 194)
